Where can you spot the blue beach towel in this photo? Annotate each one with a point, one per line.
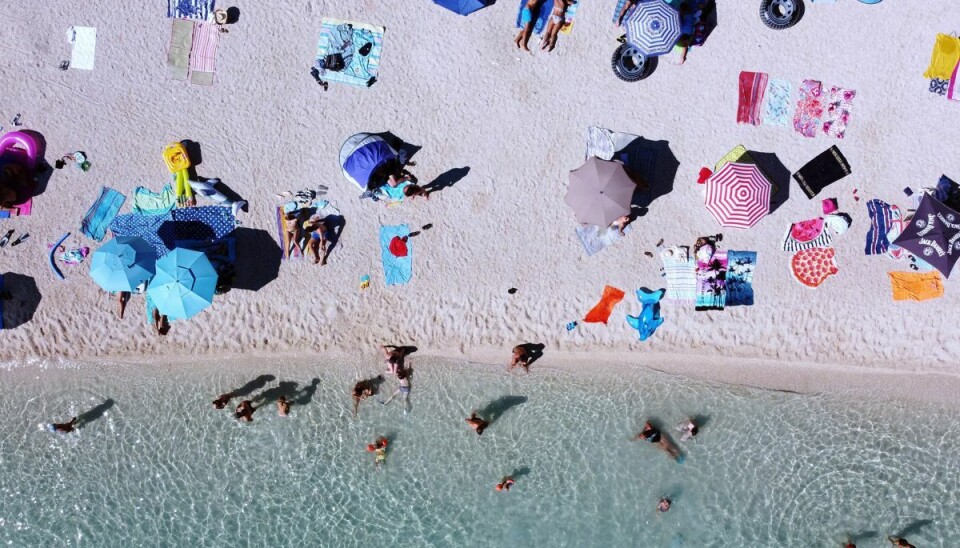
(348, 38)
(740, 267)
(396, 270)
(190, 9)
(143, 226)
(197, 223)
(102, 213)
(149, 202)
(616, 11)
(544, 14)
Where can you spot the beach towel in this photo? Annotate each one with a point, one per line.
(84, 40)
(809, 111)
(101, 213)
(351, 40)
(752, 88)
(883, 217)
(190, 9)
(618, 8)
(711, 274)
(396, 270)
(738, 155)
(178, 52)
(600, 313)
(147, 202)
(806, 235)
(18, 210)
(836, 114)
(826, 168)
(545, 9)
(680, 270)
(945, 56)
(740, 267)
(916, 286)
(811, 267)
(203, 53)
(778, 103)
(649, 319)
(198, 223)
(142, 226)
(595, 239)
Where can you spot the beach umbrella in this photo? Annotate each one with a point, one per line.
(653, 27)
(123, 263)
(599, 192)
(463, 7)
(738, 195)
(361, 155)
(184, 284)
(933, 235)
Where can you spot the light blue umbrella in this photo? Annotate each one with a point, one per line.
(184, 284)
(123, 263)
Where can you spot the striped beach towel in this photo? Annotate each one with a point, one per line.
(190, 9)
(349, 38)
(752, 87)
(102, 213)
(203, 54)
(680, 270)
(807, 235)
(544, 15)
(883, 216)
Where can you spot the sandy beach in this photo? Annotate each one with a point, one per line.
(459, 89)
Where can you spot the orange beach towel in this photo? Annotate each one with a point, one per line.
(916, 285)
(601, 312)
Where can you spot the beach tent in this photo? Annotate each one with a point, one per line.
(361, 155)
(123, 263)
(738, 195)
(463, 7)
(600, 191)
(933, 235)
(653, 27)
(184, 284)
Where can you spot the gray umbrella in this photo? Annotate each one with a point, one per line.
(599, 192)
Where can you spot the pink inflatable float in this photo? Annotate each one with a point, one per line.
(18, 164)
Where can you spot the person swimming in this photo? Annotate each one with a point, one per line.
(651, 434)
(379, 447)
(477, 423)
(689, 429)
(222, 401)
(664, 505)
(283, 406)
(244, 411)
(505, 484)
(63, 427)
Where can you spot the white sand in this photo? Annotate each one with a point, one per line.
(457, 87)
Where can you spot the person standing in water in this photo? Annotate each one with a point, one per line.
(244, 411)
(404, 376)
(505, 484)
(283, 406)
(689, 429)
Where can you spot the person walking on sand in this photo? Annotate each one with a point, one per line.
(477, 423)
(654, 436)
(505, 484)
(244, 411)
(283, 406)
(404, 388)
(160, 323)
(63, 427)
(689, 429)
(521, 357)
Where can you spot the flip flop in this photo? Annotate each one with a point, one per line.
(6, 238)
(20, 240)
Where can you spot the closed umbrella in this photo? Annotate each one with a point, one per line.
(653, 27)
(933, 235)
(184, 284)
(463, 7)
(738, 195)
(361, 155)
(600, 191)
(123, 263)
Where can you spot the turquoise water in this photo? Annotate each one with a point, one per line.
(162, 467)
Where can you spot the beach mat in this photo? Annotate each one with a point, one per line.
(396, 270)
(203, 53)
(680, 270)
(544, 15)
(148, 202)
(595, 239)
(190, 9)
(142, 226)
(347, 38)
(178, 52)
(19, 210)
(740, 267)
(101, 214)
(84, 40)
(777, 103)
(600, 313)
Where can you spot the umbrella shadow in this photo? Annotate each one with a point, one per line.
(258, 258)
(21, 298)
(87, 417)
(777, 173)
(43, 171)
(708, 18)
(447, 179)
(654, 164)
(194, 153)
(496, 408)
(399, 144)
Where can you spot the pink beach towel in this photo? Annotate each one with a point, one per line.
(752, 87)
(806, 119)
(836, 112)
(952, 93)
(203, 55)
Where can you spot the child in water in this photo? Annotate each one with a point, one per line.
(379, 447)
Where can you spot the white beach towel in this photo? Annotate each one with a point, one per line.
(84, 40)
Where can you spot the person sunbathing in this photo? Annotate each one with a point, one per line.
(317, 231)
(293, 225)
(555, 24)
(528, 16)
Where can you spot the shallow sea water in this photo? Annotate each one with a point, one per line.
(163, 468)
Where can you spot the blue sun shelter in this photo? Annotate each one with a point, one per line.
(361, 155)
(463, 7)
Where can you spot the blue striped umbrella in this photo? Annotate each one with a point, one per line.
(653, 27)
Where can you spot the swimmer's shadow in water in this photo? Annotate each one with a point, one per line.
(520, 472)
(87, 417)
(495, 409)
(285, 389)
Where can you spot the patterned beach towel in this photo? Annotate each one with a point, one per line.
(618, 8)
(198, 223)
(680, 270)
(178, 52)
(147, 202)
(806, 119)
(740, 267)
(836, 114)
(595, 239)
(883, 217)
(806, 235)
(544, 15)
(101, 213)
(203, 54)
(711, 274)
(397, 270)
(752, 88)
(143, 226)
(190, 9)
(600, 313)
(350, 39)
(778, 103)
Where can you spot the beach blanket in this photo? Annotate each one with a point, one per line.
(809, 111)
(600, 313)
(18, 210)
(711, 274)
(221, 252)
(883, 217)
(740, 267)
(203, 53)
(545, 9)
(178, 52)
(84, 40)
(595, 239)
(351, 40)
(836, 114)
(946, 54)
(752, 88)
(101, 213)
(397, 270)
(205, 223)
(826, 168)
(778, 103)
(916, 286)
(680, 270)
(649, 319)
(190, 9)
(143, 226)
(811, 267)
(147, 202)
(738, 155)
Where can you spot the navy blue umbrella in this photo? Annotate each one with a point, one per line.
(463, 7)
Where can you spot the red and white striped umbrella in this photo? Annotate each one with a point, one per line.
(738, 195)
